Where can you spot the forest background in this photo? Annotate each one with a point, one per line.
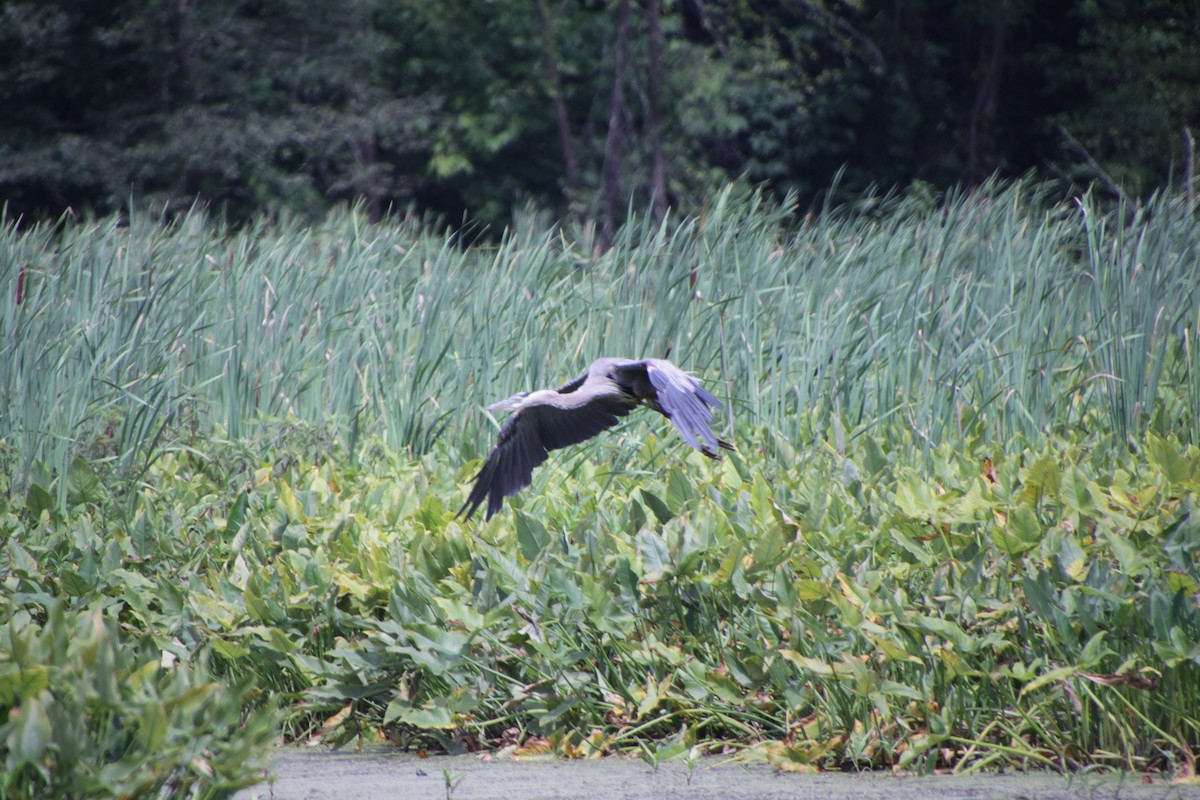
(470, 109)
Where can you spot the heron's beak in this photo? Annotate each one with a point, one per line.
(508, 402)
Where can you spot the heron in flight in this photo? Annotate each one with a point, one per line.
(548, 419)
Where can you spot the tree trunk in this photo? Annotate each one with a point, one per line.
(550, 63)
(981, 147)
(366, 169)
(616, 140)
(909, 23)
(658, 165)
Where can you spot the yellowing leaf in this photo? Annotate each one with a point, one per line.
(534, 746)
(1041, 480)
(288, 501)
(815, 666)
(1181, 582)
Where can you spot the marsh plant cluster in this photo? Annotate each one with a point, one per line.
(959, 530)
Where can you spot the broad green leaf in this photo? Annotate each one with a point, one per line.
(437, 717)
(350, 584)
(874, 459)
(75, 584)
(153, 727)
(1166, 456)
(895, 689)
(725, 687)
(1093, 651)
(918, 550)
(653, 694)
(20, 560)
(770, 548)
(760, 502)
(229, 649)
(1075, 494)
(1132, 562)
(1041, 480)
(288, 502)
(38, 499)
(30, 737)
(1024, 527)
(531, 535)
(1038, 594)
(730, 562)
(809, 590)
(920, 747)
(660, 509)
(20, 683)
(237, 514)
(1072, 558)
(636, 516)
(945, 629)
(83, 485)
(460, 613)
(737, 465)
(1182, 582)
(679, 489)
(915, 498)
(816, 666)
(191, 696)
(1053, 676)
(894, 651)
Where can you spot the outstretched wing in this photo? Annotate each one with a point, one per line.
(572, 385)
(528, 437)
(679, 397)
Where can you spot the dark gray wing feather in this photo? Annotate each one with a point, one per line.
(571, 386)
(526, 440)
(679, 397)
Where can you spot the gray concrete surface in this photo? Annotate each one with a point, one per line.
(322, 774)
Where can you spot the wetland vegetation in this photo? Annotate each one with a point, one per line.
(959, 530)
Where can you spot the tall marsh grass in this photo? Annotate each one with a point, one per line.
(997, 308)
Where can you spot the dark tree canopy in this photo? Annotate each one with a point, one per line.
(472, 107)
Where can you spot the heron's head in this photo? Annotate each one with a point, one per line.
(509, 402)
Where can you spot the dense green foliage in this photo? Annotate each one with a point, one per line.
(1019, 605)
(92, 711)
(959, 529)
(454, 107)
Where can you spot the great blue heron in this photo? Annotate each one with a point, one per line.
(548, 419)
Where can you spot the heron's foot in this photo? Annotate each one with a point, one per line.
(708, 451)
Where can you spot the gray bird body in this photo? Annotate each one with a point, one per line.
(548, 419)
